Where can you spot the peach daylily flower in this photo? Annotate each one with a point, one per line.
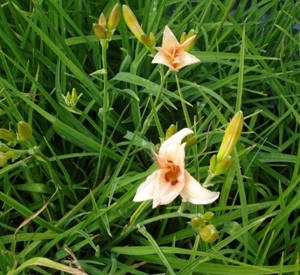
(170, 179)
(172, 53)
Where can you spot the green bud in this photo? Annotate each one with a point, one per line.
(197, 222)
(102, 20)
(152, 38)
(171, 131)
(231, 136)
(208, 215)
(6, 135)
(191, 141)
(146, 40)
(71, 99)
(209, 233)
(99, 31)
(213, 163)
(24, 131)
(220, 167)
(182, 38)
(4, 157)
(114, 18)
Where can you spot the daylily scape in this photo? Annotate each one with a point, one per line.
(170, 179)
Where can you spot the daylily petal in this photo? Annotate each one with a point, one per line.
(169, 39)
(187, 59)
(160, 58)
(176, 138)
(173, 150)
(172, 53)
(188, 41)
(164, 191)
(146, 189)
(195, 193)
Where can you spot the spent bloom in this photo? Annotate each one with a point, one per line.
(172, 53)
(170, 179)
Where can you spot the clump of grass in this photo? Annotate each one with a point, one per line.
(66, 199)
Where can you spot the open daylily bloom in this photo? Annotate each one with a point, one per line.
(172, 53)
(170, 179)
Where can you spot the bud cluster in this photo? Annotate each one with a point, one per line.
(72, 98)
(106, 27)
(207, 231)
(23, 134)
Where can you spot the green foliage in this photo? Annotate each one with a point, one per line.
(66, 200)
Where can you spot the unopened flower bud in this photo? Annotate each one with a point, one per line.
(71, 99)
(171, 131)
(184, 37)
(6, 135)
(231, 136)
(4, 157)
(209, 233)
(132, 23)
(114, 17)
(208, 215)
(24, 131)
(152, 39)
(190, 141)
(102, 20)
(197, 222)
(99, 31)
(219, 167)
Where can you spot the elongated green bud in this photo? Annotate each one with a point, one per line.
(231, 136)
(114, 17)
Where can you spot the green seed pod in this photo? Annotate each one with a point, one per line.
(6, 135)
(208, 215)
(4, 157)
(24, 131)
(209, 233)
(197, 222)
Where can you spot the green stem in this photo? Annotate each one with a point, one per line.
(208, 179)
(158, 95)
(105, 109)
(185, 112)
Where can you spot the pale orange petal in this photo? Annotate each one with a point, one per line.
(161, 58)
(169, 39)
(188, 41)
(187, 59)
(146, 189)
(195, 193)
(173, 150)
(176, 138)
(164, 192)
